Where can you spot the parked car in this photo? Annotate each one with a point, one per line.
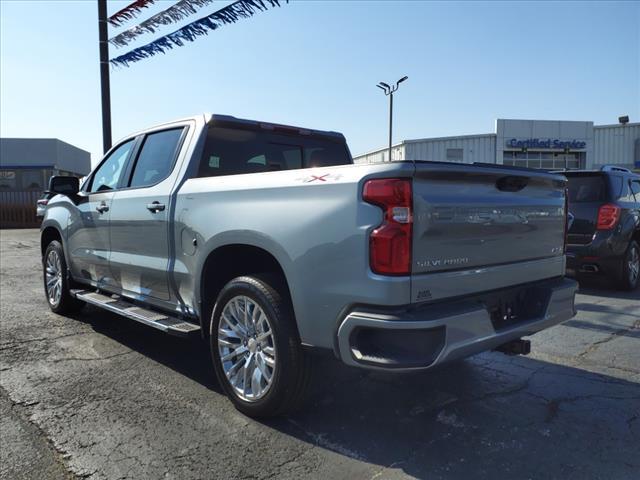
(268, 242)
(42, 202)
(604, 239)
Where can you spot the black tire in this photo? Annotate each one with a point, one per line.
(291, 373)
(628, 276)
(65, 303)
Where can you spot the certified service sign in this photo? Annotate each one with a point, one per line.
(546, 143)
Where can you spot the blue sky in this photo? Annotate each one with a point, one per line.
(316, 63)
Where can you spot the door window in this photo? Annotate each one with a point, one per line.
(156, 157)
(108, 174)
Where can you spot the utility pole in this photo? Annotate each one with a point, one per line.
(388, 91)
(105, 92)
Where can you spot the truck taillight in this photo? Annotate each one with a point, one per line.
(608, 216)
(390, 242)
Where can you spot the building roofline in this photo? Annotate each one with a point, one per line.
(426, 139)
(450, 137)
(49, 139)
(634, 124)
(383, 149)
(543, 120)
(16, 166)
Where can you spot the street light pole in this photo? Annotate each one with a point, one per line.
(388, 91)
(104, 74)
(390, 121)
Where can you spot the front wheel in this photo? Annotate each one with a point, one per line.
(255, 347)
(630, 271)
(56, 282)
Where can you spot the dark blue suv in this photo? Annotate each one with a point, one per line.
(604, 238)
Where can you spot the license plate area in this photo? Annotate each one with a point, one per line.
(521, 304)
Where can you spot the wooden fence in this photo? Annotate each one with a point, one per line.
(18, 209)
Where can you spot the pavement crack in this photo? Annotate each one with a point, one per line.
(90, 359)
(320, 440)
(630, 422)
(617, 333)
(281, 466)
(553, 405)
(383, 468)
(509, 391)
(21, 409)
(13, 344)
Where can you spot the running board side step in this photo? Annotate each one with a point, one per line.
(118, 305)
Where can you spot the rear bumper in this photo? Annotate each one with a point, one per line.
(602, 256)
(423, 337)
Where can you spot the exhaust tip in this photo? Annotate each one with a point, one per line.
(589, 268)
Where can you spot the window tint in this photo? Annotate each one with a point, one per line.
(108, 174)
(230, 151)
(635, 189)
(156, 157)
(625, 191)
(583, 189)
(617, 187)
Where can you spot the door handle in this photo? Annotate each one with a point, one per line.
(103, 207)
(155, 207)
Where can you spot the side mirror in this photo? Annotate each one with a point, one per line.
(64, 185)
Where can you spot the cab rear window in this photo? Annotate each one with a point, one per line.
(232, 151)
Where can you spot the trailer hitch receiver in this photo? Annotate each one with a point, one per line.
(515, 347)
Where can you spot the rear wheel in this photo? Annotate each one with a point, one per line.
(256, 351)
(629, 275)
(56, 282)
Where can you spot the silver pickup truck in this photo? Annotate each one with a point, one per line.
(268, 242)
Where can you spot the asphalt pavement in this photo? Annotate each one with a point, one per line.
(101, 397)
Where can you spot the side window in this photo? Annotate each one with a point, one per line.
(108, 174)
(635, 188)
(616, 187)
(156, 157)
(625, 191)
(258, 160)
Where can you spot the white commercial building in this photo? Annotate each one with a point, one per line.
(551, 144)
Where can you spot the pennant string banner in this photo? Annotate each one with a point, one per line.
(129, 12)
(229, 14)
(173, 14)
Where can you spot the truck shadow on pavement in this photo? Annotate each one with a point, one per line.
(603, 288)
(486, 417)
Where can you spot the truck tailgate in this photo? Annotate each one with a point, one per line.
(473, 216)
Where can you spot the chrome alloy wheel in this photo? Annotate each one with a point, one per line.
(247, 348)
(633, 265)
(53, 274)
